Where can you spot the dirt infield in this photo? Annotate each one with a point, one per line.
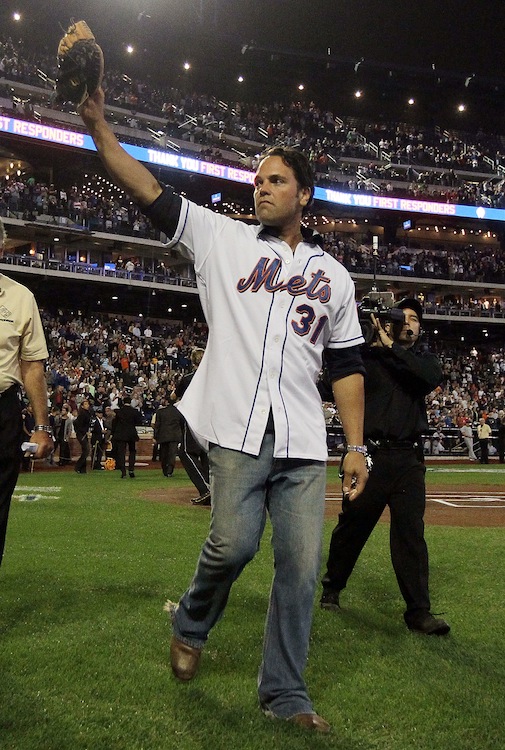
(447, 505)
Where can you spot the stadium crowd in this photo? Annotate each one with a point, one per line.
(92, 208)
(104, 359)
(427, 156)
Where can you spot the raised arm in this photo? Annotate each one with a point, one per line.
(126, 171)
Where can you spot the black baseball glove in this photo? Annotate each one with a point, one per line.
(80, 65)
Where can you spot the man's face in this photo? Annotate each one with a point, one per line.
(411, 328)
(278, 199)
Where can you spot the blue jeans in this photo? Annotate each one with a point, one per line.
(244, 488)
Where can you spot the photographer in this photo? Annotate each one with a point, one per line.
(398, 377)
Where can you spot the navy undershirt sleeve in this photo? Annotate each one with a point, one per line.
(164, 212)
(340, 363)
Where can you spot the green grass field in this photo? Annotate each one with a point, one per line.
(84, 641)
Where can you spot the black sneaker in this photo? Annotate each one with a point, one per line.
(425, 623)
(202, 500)
(330, 600)
(131, 474)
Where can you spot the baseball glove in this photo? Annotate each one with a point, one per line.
(80, 65)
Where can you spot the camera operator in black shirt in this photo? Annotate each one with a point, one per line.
(398, 377)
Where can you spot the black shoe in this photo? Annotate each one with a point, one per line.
(202, 500)
(131, 474)
(330, 600)
(424, 622)
(123, 475)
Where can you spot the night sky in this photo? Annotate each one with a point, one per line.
(454, 36)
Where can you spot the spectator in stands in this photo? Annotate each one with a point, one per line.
(467, 435)
(97, 439)
(484, 435)
(125, 435)
(82, 425)
(168, 434)
(63, 436)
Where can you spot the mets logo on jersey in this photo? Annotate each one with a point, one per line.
(266, 274)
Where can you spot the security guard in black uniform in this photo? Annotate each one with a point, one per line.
(398, 377)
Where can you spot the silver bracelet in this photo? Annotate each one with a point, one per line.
(43, 428)
(358, 449)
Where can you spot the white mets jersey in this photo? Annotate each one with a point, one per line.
(270, 313)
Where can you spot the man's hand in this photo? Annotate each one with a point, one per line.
(354, 474)
(44, 442)
(92, 109)
(382, 337)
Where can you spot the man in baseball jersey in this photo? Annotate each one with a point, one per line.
(274, 302)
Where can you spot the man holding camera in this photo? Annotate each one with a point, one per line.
(398, 377)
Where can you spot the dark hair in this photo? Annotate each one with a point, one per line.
(298, 162)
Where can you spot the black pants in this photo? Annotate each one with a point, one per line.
(195, 461)
(484, 451)
(168, 454)
(397, 480)
(501, 448)
(81, 461)
(64, 458)
(120, 448)
(11, 437)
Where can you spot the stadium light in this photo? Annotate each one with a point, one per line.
(411, 101)
(187, 65)
(358, 94)
(240, 79)
(130, 49)
(461, 107)
(301, 87)
(16, 16)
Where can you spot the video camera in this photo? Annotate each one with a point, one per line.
(381, 305)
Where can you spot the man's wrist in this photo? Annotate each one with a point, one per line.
(44, 428)
(358, 449)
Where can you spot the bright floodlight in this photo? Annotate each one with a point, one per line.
(16, 16)
(187, 66)
(130, 49)
(358, 94)
(240, 79)
(411, 101)
(461, 107)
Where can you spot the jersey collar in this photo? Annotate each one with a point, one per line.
(309, 235)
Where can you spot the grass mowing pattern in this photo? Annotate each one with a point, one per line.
(84, 641)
